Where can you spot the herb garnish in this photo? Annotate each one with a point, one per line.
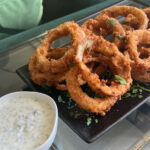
(133, 95)
(142, 88)
(71, 114)
(135, 91)
(70, 107)
(120, 79)
(60, 100)
(46, 88)
(88, 121)
(112, 23)
(126, 95)
(75, 115)
(140, 96)
(72, 64)
(120, 37)
(96, 120)
(68, 94)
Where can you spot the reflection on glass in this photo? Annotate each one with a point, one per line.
(143, 143)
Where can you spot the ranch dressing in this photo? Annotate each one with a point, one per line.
(25, 123)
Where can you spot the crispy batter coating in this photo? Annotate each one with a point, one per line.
(101, 26)
(56, 53)
(127, 28)
(43, 52)
(131, 20)
(140, 60)
(96, 105)
(117, 63)
(43, 78)
(117, 11)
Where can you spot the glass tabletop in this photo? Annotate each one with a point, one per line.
(130, 134)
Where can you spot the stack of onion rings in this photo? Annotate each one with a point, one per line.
(87, 58)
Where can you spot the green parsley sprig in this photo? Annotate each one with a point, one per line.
(88, 121)
(120, 37)
(60, 100)
(46, 88)
(120, 79)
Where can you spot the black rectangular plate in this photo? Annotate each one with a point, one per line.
(92, 132)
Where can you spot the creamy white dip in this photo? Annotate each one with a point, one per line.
(25, 123)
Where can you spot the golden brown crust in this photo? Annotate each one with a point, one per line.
(95, 105)
(140, 66)
(43, 52)
(101, 26)
(118, 64)
(117, 11)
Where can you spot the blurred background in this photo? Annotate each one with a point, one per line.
(57, 8)
(19, 15)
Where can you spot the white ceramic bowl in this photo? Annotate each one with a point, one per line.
(53, 106)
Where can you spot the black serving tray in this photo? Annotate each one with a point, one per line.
(78, 124)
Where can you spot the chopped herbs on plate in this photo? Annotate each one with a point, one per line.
(68, 94)
(142, 88)
(71, 113)
(126, 95)
(74, 114)
(71, 107)
(96, 120)
(46, 88)
(136, 90)
(60, 100)
(88, 121)
(140, 96)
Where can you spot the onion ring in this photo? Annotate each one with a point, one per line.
(118, 64)
(133, 21)
(95, 105)
(101, 26)
(140, 65)
(45, 78)
(117, 11)
(56, 53)
(43, 51)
